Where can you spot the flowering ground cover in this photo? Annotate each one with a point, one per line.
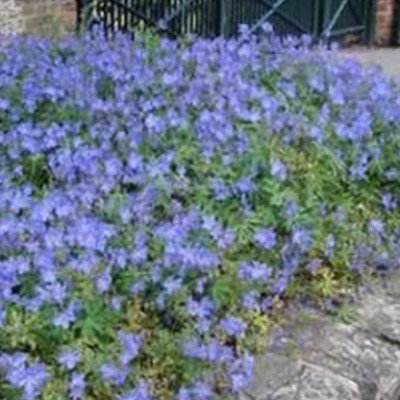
(157, 198)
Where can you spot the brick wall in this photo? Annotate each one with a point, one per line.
(385, 14)
(48, 17)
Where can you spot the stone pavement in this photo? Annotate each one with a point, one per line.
(387, 58)
(355, 361)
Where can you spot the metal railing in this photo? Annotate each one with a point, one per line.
(326, 19)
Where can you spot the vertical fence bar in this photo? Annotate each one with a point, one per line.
(172, 23)
(259, 10)
(228, 18)
(369, 21)
(159, 8)
(222, 18)
(178, 19)
(131, 15)
(187, 20)
(250, 12)
(111, 11)
(119, 15)
(209, 17)
(239, 19)
(169, 10)
(151, 7)
(316, 25)
(126, 15)
(183, 19)
(78, 21)
(327, 16)
(103, 16)
(196, 16)
(203, 14)
(238, 12)
(233, 15)
(192, 11)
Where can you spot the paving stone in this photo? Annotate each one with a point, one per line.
(360, 361)
(387, 58)
(381, 316)
(318, 384)
(360, 356)
(272, 372)
(392, 286)
(321, 384)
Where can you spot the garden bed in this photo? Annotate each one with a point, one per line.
(159, 199)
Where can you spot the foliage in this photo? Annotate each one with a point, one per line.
(157, 199)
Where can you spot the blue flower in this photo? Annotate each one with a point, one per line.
(76, 386)
(131, 345)
(136, 175)
(141, 392)
(67, 316)
(69, 358)
(244, 186)
(28, 377)
(388, 202)
(291, 208)
(280, 284)
(198, 391)
(265, 238)
(233, 326)
(202, 310)
(279, 170)
(104, 281)
(329, 245)
(114, 374)
(313, 265)
(254, 271)
(171, 285)
(250, 300)
(240, 373)
(376, 227)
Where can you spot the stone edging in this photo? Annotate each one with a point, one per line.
(357, 361)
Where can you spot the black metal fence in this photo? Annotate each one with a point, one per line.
(396, 38)
(210, 18)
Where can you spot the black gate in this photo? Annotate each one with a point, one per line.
(348, 18)
(322, 19)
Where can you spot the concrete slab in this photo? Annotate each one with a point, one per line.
(387, 58)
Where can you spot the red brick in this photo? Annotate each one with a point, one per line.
(384, 21)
